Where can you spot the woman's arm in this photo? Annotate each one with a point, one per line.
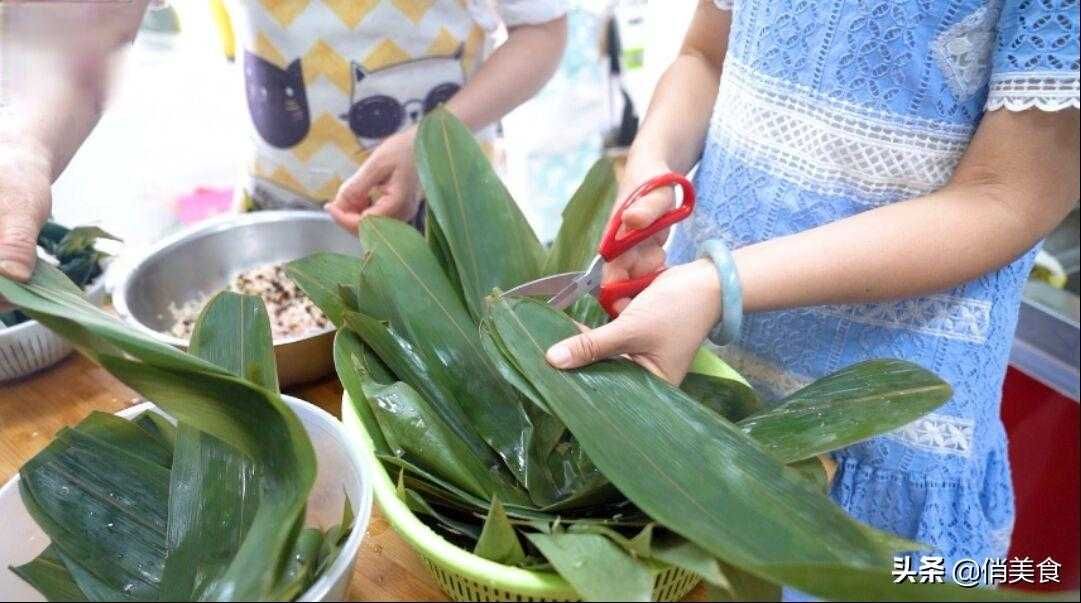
(56, 59)
(673, 133)
(1017, 181)
(509, 77)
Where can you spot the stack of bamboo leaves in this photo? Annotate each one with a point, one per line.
(211, 508)
(603, 474)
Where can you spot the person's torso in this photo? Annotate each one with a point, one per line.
(828, 108)
(326, 80)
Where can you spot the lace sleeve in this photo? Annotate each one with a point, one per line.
(1035, 61)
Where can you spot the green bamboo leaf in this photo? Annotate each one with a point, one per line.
(729, 398)
(422, 307)
(743, 586)
(301, 564)
(53, 300)
(259, 424)
(233, 332)
(498, 540)
(214, 489)
(126, 435)
(846, 407)
(356, 364)
(429, 379)
(159, 427)
(252, 419)
(334, 538)
(487, 235)
(212, 502)
(682, 553)
(420, 506)
(416, 430)
(319, 276)
(599, 569)
(437, 242)
(48, 575)
(103, 506)
(91, 586)
(733, 493)
(584, 220)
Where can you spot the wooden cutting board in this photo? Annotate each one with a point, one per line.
(33, 409)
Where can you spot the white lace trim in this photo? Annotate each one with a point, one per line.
(828, 145)
(1043, 90)
(938, 433)
(963, 52)
(724, 4)
(945, 316)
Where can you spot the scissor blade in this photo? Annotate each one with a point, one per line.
(586, 283)
(549, 285)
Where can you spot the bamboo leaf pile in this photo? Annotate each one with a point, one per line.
(606, 474)
(209, 509)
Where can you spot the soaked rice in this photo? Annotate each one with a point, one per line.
(292, 314)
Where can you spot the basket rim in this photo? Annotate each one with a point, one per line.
(433, 547)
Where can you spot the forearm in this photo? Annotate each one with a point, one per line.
(674, 129)
(1017, 181)
(75, 45)
(512, 74)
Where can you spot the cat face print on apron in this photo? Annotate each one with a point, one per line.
(325, 82)
(393, 98)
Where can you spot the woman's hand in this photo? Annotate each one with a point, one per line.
(661, 329)
(648, 256)
(385, 185)
(25, 202)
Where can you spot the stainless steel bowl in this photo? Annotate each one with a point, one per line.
(201, 261)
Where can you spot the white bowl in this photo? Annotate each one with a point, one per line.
(340, 472)
(29, 347)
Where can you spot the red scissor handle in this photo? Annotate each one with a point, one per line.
(612, 247)
(613, 292)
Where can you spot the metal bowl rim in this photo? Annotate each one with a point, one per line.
(208, 227)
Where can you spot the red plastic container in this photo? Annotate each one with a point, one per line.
(1044, 429)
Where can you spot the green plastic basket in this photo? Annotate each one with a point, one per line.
(464, 576)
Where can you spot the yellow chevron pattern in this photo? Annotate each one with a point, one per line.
(318, 165)
(322, 60)
(329, 129)
(444, 44)
(267, 51)
(414, 9)
(351, 12)
(284, 11)
(386, 53)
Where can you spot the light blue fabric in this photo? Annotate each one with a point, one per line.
(828, 108)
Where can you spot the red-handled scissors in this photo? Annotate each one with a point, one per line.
(568, 287)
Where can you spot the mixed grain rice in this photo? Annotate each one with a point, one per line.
(291, 312)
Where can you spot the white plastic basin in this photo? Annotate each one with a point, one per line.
(340, 472)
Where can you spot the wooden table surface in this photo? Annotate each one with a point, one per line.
(33, 409)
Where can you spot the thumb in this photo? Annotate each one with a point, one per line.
(590, 346)
(18, 245)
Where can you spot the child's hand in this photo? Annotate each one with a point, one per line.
(648, 256)
(385, 185)
(661, 329)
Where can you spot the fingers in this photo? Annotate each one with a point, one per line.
(18, 244)
(355, 196)
(648, 209)
(607, 341)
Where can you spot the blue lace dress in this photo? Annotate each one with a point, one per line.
(828, 108)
